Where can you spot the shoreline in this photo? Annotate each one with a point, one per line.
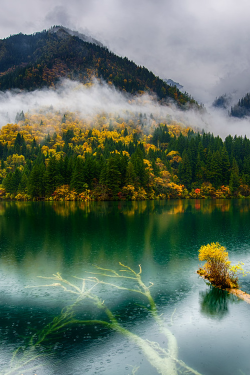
(51, 199)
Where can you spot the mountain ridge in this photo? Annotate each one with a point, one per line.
(41, 59)
(85, 38)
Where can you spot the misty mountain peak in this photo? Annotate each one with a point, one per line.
(30, 62)
(172, 83)
(64, 32)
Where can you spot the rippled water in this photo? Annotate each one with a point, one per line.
(209, 327)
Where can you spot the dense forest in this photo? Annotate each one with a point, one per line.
(52, 155)
(60, 156)
(40, 60)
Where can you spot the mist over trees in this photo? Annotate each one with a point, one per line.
(40, 60)
(242, 108)
(57, 156)
(87, 149)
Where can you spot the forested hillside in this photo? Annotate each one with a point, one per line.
(126, 155)
(60, 156)
(40, 60)
(242, 108)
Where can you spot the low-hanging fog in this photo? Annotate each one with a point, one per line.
(99, 97)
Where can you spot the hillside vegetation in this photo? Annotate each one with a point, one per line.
(40, 60)
(242, 108)
(55, 156)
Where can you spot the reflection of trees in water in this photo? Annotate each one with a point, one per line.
(131, 208)
(128, 208)
(214, 302)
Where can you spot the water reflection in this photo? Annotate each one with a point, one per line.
(42, 238)
(173, 207)
(215, 301)
(65, 237)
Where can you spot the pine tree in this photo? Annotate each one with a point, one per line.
(112, 176)
(52, 177)
(78, 178)
(139, 168)
(23, 185)
(130, 176)
(90, 170)
(16, 179)
(234, 182)
(185, 171)
(225, 166)
(8, 183)
(36, 181)
(199, 170)
(216, 169)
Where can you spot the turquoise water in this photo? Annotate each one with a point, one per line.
(209, 328)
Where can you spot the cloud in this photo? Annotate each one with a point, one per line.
(59, 16)
(75, 97)
(102, 98)
(201, 45)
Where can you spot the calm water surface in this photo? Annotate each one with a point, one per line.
(206, 330)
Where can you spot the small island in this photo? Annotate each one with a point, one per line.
(219, 271)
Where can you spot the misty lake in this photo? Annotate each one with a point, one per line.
(163, 318)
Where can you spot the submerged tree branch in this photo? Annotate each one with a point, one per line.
(165, 361)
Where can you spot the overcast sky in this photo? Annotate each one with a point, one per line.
(203, 45)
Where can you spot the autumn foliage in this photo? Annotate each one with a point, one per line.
(63, 156)
(42, 59)
(218, 269)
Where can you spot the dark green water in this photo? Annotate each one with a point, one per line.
(210, 328)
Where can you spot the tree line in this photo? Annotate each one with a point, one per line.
(120, 161)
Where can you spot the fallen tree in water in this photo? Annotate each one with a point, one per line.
(219, 271)
(164, 360)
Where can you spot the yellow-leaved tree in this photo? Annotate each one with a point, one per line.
(218, 269)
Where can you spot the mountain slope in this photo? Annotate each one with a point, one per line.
(64, 31)
(242, 108)
(40, 60)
